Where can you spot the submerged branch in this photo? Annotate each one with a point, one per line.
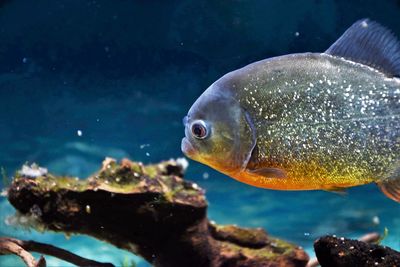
(148, 210)
(14, 246)
(21, 248)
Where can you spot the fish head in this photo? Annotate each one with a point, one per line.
(218, 132)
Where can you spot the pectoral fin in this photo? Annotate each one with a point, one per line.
(337, 190)
(270, 172)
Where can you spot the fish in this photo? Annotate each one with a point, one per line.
(307, 121)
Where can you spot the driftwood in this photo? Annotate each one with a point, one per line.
(148, 210)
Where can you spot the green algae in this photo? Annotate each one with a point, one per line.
(383, 236)
(242, 236)
(151, 171)
(125, 177)
(271, 252)
(253, 243)
(281, 247)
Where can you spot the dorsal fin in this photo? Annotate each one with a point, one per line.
(369, 43)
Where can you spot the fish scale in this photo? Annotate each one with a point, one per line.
(330, 108)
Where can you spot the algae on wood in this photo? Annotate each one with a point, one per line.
(149, 210)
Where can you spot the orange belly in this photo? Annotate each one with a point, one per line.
(309, 177)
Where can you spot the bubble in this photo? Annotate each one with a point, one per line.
(144, 145)
(375, 220)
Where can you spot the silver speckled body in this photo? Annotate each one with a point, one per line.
(328, 121)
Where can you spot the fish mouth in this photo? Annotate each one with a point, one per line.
(187, 148)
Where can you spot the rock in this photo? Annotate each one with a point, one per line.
(341, 252)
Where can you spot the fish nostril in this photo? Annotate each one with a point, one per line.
(184, 120)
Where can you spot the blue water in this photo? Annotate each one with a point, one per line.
(124, 73)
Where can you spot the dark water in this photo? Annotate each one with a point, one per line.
(124, 73)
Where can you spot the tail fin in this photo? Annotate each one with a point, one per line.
(391, 188)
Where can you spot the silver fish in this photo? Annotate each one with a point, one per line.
(307, 121)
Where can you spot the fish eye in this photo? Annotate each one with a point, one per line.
(199, 129)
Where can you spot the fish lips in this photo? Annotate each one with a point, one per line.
(187, 148)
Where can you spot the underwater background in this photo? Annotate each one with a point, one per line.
(81, 80)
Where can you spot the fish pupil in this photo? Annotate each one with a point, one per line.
(199, 130)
